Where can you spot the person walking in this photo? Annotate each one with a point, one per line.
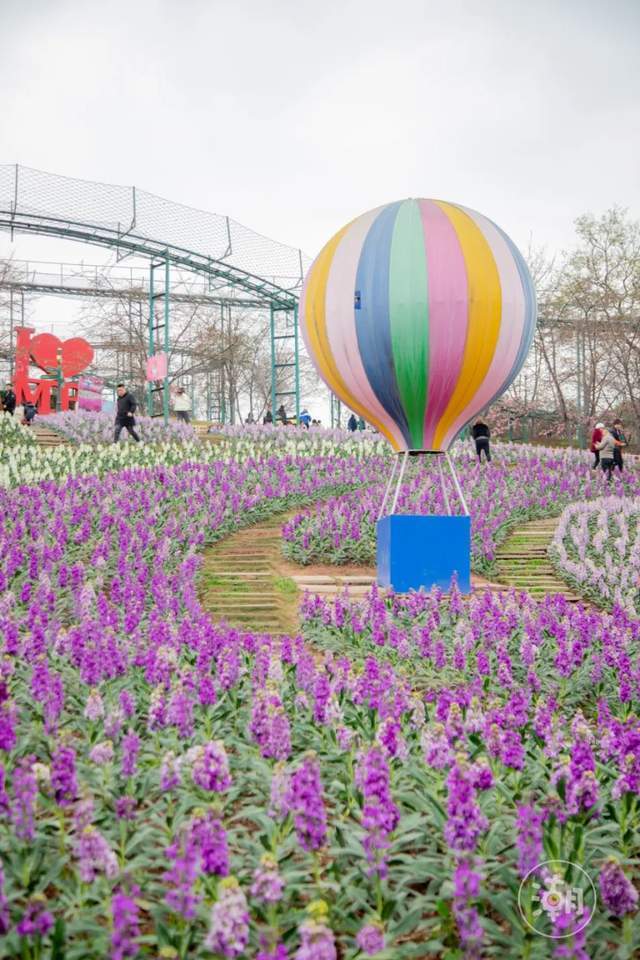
(282, 413)
(596, 437)
(268, 417)
(9, 399)
(305, 418)
(125, 410)
(30, 411)
(619, 436)
(481, 434)
(182, 405)
(607, 447)
(352, 423)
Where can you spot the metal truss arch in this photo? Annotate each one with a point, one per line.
(133, 222)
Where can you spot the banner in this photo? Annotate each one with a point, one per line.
(90, 393)
(157, 367)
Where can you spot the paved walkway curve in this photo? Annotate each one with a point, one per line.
(246, 582)
(522, 560)
(239, 581)
(46, 437)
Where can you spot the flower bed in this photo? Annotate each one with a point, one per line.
(522, 484)
(13, 434)
(597, 549)
(511, 733)
(172, 788)
(83, 426)
(31, 464)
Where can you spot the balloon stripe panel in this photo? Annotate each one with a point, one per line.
(512, 300)
(409, 316)
(340, 325)
(530, 306)
(314, 312)
(448, 312)
(484, 315)
(372, 317)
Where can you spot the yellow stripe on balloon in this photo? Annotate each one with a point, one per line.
(483, 323)
(314, 308)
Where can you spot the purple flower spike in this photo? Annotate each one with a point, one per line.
(370, 939)
(306, 802)
(618, 893)
(229, 924)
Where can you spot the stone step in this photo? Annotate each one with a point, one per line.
(242, 566)
(243, 575)
(341, 581)
(532, 554)
(244, 602)
(327, 591)
(246, 556)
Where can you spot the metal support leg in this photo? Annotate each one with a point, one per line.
(444, 488)
(165, 385)
(155, 326)
(151, 338)
(388, 488)
(296, 359)
(457, 483)
(273, 364)
(399, 484)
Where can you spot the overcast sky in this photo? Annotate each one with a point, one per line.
(294, 116)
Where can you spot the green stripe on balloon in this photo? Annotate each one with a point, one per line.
(409, 316)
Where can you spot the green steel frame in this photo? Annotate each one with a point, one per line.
(159, 331)
(285, 318)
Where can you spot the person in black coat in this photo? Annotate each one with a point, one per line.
(621, 439)
(9, 399)
(126, 408)
(481, 433)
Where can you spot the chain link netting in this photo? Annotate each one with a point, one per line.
(127, 210)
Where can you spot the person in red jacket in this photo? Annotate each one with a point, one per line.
(596, 437)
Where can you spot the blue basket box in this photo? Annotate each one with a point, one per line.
(417, 552)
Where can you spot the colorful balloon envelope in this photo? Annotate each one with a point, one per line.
(418, 315)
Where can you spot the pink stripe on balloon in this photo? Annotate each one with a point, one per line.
(448, 312)
(341, 324)
(511, 323)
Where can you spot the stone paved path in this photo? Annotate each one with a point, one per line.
(522, 560)
(240, 582)
(46, 437)
(245, 581)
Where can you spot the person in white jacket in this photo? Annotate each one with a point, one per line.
(181, 405)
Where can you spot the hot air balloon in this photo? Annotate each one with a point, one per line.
(418, 315)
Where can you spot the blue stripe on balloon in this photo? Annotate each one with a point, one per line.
(372, 319)
(531, 309)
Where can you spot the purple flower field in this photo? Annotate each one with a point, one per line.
(84, 426)
(597, 548)
(377, 786)
(523, 484)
